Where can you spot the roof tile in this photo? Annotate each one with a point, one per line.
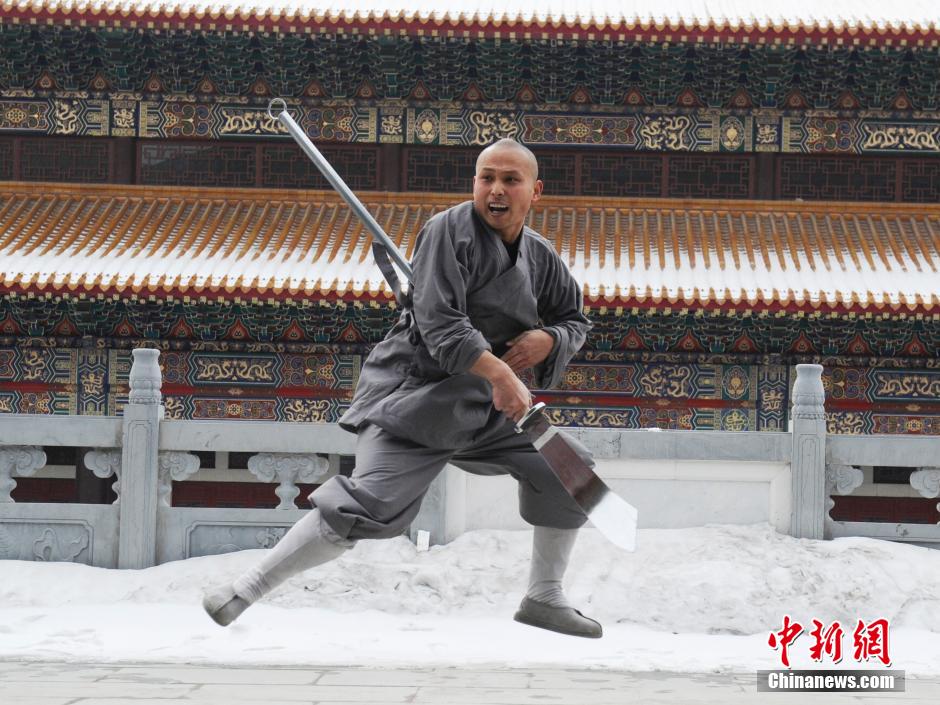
(307, 243)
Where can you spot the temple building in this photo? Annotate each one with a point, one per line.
(737, 195)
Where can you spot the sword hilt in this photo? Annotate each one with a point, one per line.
(526, 422)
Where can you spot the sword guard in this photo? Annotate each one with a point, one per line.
(533, 411)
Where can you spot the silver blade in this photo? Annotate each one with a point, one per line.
(613, 516)
(616, 519)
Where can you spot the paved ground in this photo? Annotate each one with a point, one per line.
(84, 684)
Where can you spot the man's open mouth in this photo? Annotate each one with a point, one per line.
(497, 208)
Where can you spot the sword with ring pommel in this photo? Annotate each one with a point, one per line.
(570, 462)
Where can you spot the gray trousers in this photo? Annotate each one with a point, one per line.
(392, 475)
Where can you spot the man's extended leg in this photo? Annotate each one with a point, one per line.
(379, 500)
(545, 604)
(551, 551)
(309, 543)
(556, 517)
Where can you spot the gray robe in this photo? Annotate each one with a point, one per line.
(467, 297)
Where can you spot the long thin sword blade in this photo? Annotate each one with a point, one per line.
(340, 186)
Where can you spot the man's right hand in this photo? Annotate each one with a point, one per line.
(510, 395)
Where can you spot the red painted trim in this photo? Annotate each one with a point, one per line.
(245, 297)
(208, 293)
(164, 19)
(915, 510)
(255, 391)
(45, 489)
(769, 307)
(37, 387)
(928, 407)
(259, 495)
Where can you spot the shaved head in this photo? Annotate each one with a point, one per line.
(509, 144)
(505, 187)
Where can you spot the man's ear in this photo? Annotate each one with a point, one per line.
(537, 191)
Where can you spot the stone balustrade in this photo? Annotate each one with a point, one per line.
(675, 478)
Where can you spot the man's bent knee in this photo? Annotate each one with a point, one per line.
(354, 514)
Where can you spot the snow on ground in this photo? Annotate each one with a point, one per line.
(693, 600)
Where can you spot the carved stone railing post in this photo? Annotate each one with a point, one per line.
(432, 516)
(288, 468)
(808, 459)
(443, 509)
(139, 462)
(105, 462)
(17, 460)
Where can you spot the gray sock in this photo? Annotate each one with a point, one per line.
(551, 549)
(308, 543)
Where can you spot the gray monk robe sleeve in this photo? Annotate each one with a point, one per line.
(441, 277)
(467, 297)
(560, 308)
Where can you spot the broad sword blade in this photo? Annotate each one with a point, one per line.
(616, 519)
(613, 516)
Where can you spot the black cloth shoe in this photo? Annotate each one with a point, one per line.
(566, 620)
(223, 605)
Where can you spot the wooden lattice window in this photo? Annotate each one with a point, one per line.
(286, 166)
(604, 174)
(197, 164)
(837, 179)
(920, 181)
(559, 171)
(709, 176)
(444, 170)
(6, 159)
(81, 160)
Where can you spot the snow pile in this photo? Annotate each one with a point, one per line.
(688, 599)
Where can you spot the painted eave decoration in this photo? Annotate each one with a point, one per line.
(838, 21)
(306, 245)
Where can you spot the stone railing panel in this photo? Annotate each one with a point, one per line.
(187, 532)
(77, 533)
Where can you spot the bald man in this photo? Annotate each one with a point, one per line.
(490, 298)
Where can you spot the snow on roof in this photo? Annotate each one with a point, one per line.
(167, 241)
(840, 15)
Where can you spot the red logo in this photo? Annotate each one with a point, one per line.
(785, 637)
(870, 641)
(828, 642)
